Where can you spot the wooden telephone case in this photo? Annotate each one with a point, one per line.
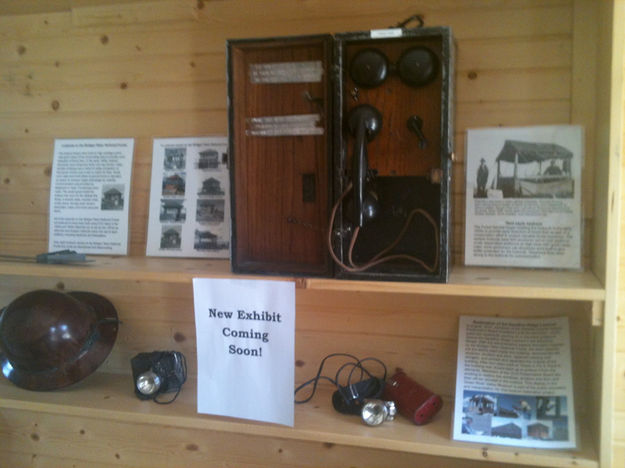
(286, 182)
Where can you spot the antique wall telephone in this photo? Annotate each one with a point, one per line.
(340, 150)
(366, 215)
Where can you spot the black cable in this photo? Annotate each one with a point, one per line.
(355, 364)
(315, 380)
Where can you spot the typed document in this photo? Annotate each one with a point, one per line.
(90, 195)
(514, 382)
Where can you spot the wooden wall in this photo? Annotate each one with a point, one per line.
(619, 398)
(157, 69)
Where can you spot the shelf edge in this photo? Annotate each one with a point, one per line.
(464, 281)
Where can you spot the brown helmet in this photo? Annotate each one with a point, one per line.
(50, 339)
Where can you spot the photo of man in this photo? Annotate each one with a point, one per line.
(482, 179)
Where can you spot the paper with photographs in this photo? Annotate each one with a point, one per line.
(189, 198)
(514, 382)
(523, 197)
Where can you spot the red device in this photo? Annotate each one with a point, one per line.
(412, 400)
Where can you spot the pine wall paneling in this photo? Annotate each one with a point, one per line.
(80, 69)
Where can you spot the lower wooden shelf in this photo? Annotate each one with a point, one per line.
(111, 397)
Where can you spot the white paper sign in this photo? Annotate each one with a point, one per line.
(90, 195)
(245, 348)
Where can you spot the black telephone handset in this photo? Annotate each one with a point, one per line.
(364, 123)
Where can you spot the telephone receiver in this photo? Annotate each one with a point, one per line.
(364, 122)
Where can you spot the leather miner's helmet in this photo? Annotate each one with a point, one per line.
(50, 339)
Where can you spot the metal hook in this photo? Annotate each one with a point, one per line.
(417, 17)
(309, 98)
(314, 100)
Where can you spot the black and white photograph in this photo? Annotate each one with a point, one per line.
(207, 240)
(173, 211)
(515, 416)
(208, 159)
(525, 169)
(174, 184)
(210, 211)
(175, 158)
(523, 197)
(171, 237)
(190, 190)
(112, 197)
(211, 187)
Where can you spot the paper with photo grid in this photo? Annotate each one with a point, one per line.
(189, 198)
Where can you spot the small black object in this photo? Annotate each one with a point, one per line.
(168, 368)
(415, 123)
(417, 66)
(418, 18)
(64, 257)
(368, 68)
(349, 397)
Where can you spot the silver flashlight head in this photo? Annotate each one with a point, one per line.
(375, 412)
(148, 383)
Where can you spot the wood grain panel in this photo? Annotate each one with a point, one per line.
(151, 69)
(618, 451)
(473, 56)
(31, 459)
(519, 88)
(536, 52)
(619, 454)
(113, 124)
(51, 438)
(236, 19)
(521, 85)
(47, 75)
(119, 98)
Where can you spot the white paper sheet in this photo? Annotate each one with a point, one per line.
(523, 199)
(90, 195)
(514, 382)
(245, 348)
(189, 198)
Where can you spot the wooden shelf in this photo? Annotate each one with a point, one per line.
(110, 397)
(464, 281)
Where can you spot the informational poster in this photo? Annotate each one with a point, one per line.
(523, 198)
(514, 382)
(245, 348)
(90, 195)
(189, 198)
